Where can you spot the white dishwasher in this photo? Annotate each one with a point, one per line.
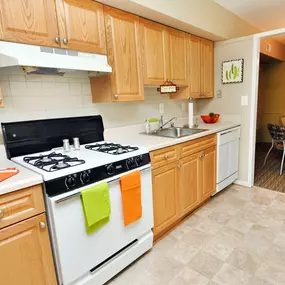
(227, 157)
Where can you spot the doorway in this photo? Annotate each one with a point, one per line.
(270, 110)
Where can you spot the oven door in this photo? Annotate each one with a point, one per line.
(76, 252)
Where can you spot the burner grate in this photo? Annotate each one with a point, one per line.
(53, 161)
(111, 148)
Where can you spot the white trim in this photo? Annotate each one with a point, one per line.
(242, 183)
(254, 95)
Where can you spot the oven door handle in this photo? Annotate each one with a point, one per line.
(79, 193)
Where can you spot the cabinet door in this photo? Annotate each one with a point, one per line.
(177, 57)
(189, 183)
(81, 25)
(124, 52)
(207, 68)
(25, 252)
(194, 49)
(29, 21)
(208, 173)
(165, 196)
(154, 53)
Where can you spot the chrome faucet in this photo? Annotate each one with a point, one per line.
(163, 124)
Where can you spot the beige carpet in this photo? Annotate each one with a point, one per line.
(268, 176)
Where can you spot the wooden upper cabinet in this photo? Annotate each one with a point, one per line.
(155, 58)
(25, 252)
(81, 25)
(165, 197)
(189, 183)
(194, 48)
(178, 57)
(124, 54)
(29, 21)
(207, 68)
(208, 173)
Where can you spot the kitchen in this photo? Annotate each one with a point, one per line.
(75, 98)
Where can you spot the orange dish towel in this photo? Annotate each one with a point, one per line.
(131, 197)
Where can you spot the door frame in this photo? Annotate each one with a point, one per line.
(254, 98)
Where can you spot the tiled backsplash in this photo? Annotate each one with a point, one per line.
(30, 97)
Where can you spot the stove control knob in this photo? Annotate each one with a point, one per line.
(110, 169)
(130, 162)
(139, 159)
(84, 177)
(69, 182)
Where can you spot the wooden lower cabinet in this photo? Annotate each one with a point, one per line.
(165, 196)
(189, 183)
(180, 187)
(208, 167)
(26, 254)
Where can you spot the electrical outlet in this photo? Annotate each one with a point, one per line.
(161, 108)
(219, 93)
(244, 100)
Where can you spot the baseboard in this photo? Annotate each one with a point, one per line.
(242, 183)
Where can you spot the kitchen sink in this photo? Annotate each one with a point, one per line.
(176, 132)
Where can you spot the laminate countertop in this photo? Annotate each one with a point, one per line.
(23, 179)
(133, 135)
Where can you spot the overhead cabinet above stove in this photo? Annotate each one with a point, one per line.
(75, 25)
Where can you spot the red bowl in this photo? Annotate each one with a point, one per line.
(210, 120)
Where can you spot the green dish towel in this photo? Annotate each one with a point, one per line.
(96, 206)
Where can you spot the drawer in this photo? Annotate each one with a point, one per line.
(21, 205)
(197, 145)
(164, 156)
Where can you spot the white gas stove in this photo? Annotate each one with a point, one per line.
(83, 259)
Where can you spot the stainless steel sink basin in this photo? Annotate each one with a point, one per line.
(176, 132)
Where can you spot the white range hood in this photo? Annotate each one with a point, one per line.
(46, 60)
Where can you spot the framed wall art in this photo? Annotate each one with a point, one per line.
(232, 71)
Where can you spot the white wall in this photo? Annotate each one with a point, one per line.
(230, 103)
(41, 97)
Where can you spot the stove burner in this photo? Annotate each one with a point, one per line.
(111, 148)
(53, 161)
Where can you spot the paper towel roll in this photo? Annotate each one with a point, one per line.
(190, 114)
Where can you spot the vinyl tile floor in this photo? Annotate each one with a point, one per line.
(238, 237)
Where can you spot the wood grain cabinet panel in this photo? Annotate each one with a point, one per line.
(207, 68)
(165, 197)
(155, 58)
(208, 173)
(178, 57)
(29, 21)
(20, 205)
(125, 83)
(164, 156)
(81, 25)
(189, 183)
(25, 252)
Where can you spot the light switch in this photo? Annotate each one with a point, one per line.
(244, 100)
(161, 108)
(219, 93)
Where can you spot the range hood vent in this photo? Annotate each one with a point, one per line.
(51, 61)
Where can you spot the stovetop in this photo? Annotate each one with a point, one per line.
(111, 148)
(58, 163)
(53, 161)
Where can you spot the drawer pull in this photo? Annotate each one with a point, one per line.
(1, 213)
(179, 165)
(43, 225)
(166, 156)
(202, 155)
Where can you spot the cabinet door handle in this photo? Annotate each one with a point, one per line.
(65, 41)
(57, 39)
(179, 166)
(202, 155)
(43, 225)
(166, 156)
(1, 213)
(116, 96)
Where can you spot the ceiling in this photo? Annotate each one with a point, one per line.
(263, 14)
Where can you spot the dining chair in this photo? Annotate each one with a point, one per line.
(277, 134)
